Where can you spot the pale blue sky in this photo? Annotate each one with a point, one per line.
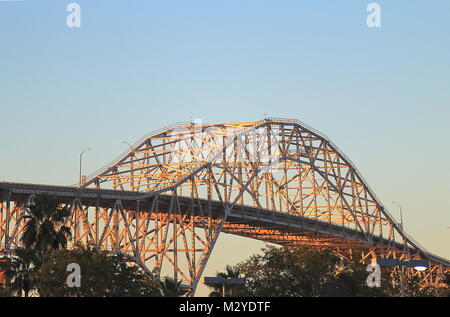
(382, 95)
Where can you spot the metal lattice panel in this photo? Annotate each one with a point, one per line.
(167, 199)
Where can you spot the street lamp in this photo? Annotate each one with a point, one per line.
(125, 142)
(223, 281)
(418, 265)
(404, 242)
(401, 214)
(81, 156)
(131, 164)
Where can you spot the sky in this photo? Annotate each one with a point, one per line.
(381, 94)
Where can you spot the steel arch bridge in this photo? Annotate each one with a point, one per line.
(164, 202)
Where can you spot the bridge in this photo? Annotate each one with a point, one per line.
(164, 202)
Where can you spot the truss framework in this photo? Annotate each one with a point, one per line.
(166, 200)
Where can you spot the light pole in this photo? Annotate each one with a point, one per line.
(419, 265)
(81, 157)
(401, 214)
(125, 142)
(131, 164)
(402, 275)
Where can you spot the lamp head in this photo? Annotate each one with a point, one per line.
(419, 265)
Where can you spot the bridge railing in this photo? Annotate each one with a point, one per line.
(124, 154)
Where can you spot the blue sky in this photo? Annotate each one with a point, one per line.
(382, 95)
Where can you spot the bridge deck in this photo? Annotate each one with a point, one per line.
(261, 224)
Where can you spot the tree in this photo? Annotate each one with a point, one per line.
(45, 230)
(304, 271)
(19, 270)
(350, 280)
(414, 287)
(171, 288)
(102, 275)
(445, 290)
(5, 292)
(230, 290)
(290, 271)
(312, 271)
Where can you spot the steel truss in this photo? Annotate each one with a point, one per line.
(164, 202)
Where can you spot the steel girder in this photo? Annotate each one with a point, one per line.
(276, 180)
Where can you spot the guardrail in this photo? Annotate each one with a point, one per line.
(90, 178)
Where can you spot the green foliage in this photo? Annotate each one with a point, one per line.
(171, 288)
(5, 292)
(44, 232)
(44, 229)
(287, 271)
(102, 275)
(310, 272)
(299, 271)
(41, 265)
(18, 271)
(230, 290)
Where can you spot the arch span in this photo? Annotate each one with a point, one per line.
(277, 180)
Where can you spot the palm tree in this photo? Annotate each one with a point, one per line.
(19, 269)
(229, 272)
(45, 230)
(172, 288)
(231, 290)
